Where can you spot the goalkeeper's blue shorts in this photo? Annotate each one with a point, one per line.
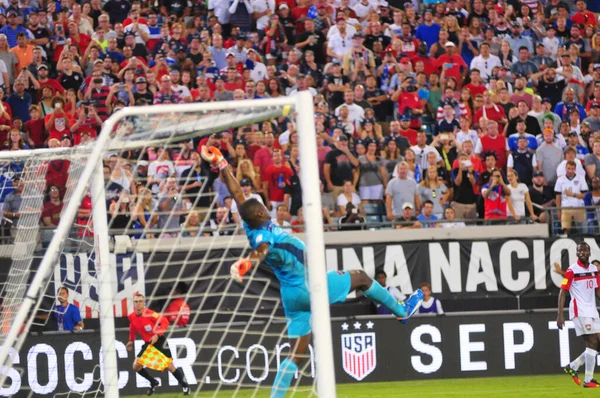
(296, 302)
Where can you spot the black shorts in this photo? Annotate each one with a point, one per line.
(161, 345)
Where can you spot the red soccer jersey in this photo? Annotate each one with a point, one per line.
(584, 18)
(178, 312)
(276, 177)
(581, 282)
(479, 89)
(496, 145)
(37, 132)
(495, 203)
(454, 66)
(410, 135)
(147, 325)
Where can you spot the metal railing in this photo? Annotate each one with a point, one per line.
(586, 223)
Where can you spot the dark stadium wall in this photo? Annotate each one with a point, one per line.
(366, 349)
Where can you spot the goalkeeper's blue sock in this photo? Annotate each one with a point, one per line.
(381, 296)
(285, 373)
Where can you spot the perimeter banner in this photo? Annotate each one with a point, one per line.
(508, 274)
(365, 350)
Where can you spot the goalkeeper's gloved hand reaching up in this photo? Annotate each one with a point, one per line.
(214, 157)
(240, 268)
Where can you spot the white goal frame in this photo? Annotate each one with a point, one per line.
(92, 176)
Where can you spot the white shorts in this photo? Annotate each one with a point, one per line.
(373, 192)
(586, 325)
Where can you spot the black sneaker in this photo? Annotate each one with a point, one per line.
(574, 375)
(186, 391)
(152, 388)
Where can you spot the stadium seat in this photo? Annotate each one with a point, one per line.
(372, 209)
(372, 219)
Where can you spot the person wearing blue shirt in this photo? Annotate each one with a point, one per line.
(426, 217)
(532, 143)
(67, 315)
(563, 108)
(285, 255)
(19, 101)
(12, 29)
(428, 31)
(574, 142)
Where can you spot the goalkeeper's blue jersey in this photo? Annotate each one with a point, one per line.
(286, 252)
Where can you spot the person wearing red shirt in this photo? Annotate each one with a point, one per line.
(475, 87)
(274, 179)
(429, 64)
(58, 122)
(409, 101)
(53, 207)
(151, 326)
(583, 16)
(81, 40)
(44, 81)
(299, 13)
(409, 43)
(406, 132)
(452, 63)
(495, 142)
(234, 82)
(87, 121)
(263, 157)
(490, 111)
(35, 127)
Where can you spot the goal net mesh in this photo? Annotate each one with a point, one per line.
(172, 238)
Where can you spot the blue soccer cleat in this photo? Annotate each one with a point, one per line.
(412, 304)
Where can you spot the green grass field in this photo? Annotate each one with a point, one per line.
(527, 387)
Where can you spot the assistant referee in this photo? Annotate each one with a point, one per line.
(151, 326)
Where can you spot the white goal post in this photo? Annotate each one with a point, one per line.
(116, 134)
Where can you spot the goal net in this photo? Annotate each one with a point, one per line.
(137, 211)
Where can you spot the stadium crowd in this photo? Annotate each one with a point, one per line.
(429, 113)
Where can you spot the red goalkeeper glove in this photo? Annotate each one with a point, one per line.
(240, 268)
(214, 157)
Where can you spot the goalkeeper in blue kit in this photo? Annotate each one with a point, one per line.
(284, 253)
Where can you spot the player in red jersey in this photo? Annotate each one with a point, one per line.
(151, 326)
(582, 282)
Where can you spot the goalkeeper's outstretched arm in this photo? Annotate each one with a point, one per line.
(232, 185)
(216, 159)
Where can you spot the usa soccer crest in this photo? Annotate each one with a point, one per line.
(359, 352)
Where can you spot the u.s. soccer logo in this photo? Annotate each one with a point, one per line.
(359, 353)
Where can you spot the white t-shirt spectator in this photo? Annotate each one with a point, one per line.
(259, 72)
(421, 154)
(334, 31)
(561, 170)
(471, 135)
(342, 201)
(160, 170)
(356, 113)
(517, 196)
(341, 45)
(221, 10)
(577, 185)
(262, 6)
(183, 91)
(138, 36)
